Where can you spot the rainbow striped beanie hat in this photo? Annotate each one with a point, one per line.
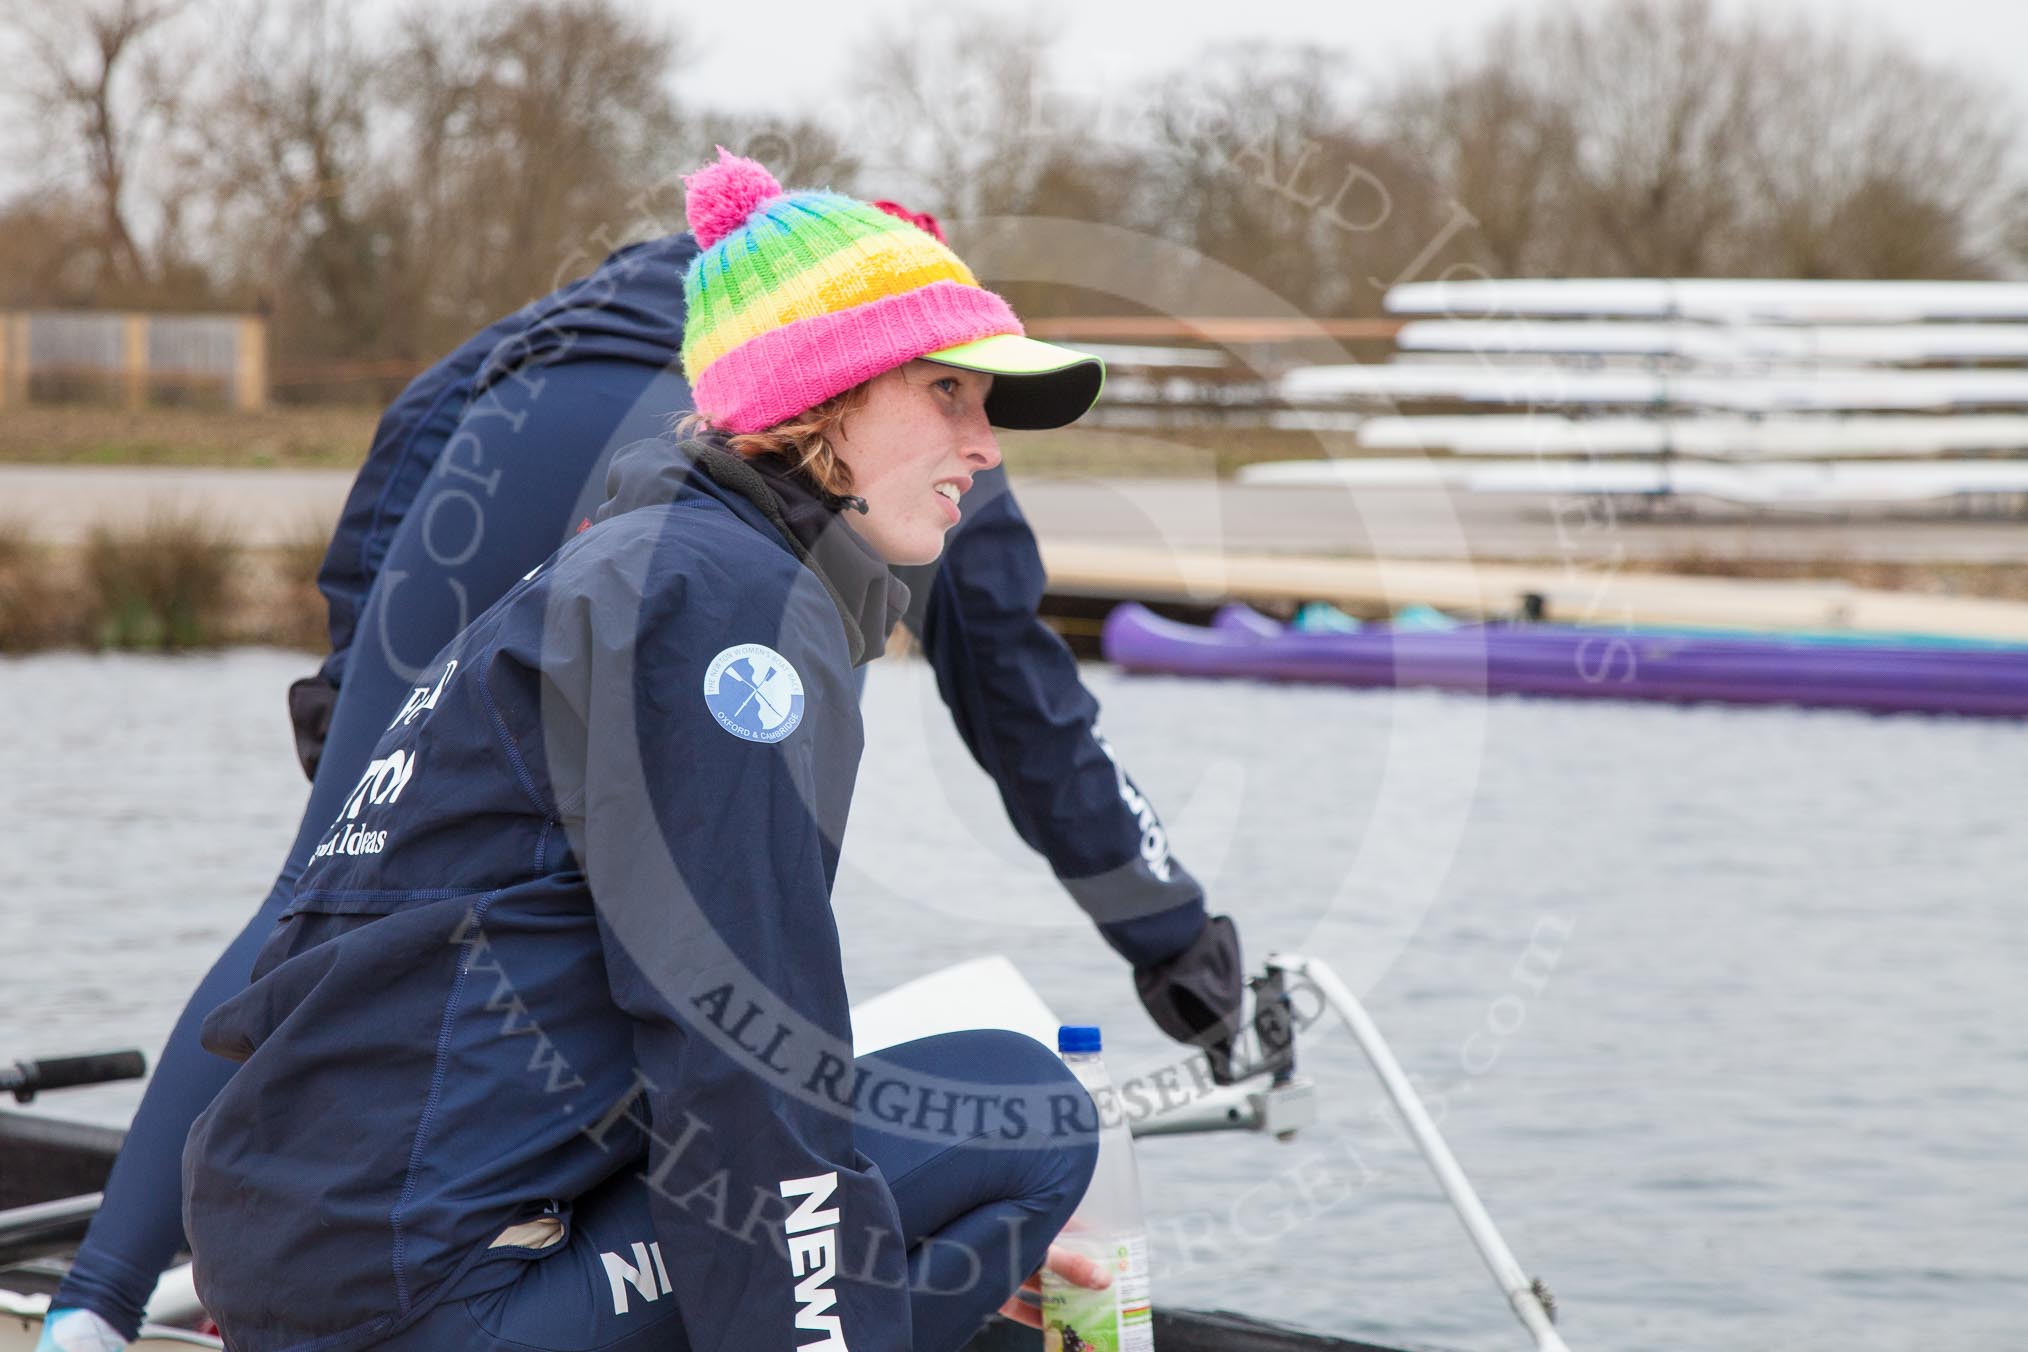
(798, 296)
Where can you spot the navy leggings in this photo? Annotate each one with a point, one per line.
(455, 553)
(976, 1221)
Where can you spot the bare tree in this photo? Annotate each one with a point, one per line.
(385, 198)
(385, 190)
(1495, 140)
(962, 109)
(1866, 161)
(1662, 137)
(1261, 163)
(40, 263)
(536, 136)
(101, 94)
(286, 159)
(800, 151)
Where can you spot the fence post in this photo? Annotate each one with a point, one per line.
(14, 358)
(23, 348)
(134, 362)
(250, 367)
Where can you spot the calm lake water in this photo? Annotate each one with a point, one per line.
(1722, 1009)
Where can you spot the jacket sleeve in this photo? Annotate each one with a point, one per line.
(1013, 688)
(710, 851)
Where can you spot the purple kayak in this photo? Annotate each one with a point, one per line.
(1584, 663)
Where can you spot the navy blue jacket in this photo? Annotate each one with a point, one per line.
(1011, 684)
(605, 823)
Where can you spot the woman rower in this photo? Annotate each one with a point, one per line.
(551, 1048)
(476, 471)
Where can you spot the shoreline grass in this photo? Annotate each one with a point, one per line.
(40, 594)
(161, 588)
(283, 437)
(175, 585)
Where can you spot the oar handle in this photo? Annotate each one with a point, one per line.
(26, 1079)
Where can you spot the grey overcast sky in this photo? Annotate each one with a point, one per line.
(792, 55)
(738, 46)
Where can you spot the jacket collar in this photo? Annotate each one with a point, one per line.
(870, 600)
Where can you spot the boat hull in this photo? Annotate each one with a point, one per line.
(1589, 663)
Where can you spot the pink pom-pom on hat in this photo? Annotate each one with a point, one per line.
(718, 198)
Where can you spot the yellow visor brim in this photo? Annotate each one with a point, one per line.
(1035, 384)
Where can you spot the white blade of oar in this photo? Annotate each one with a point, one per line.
(1515, 1283)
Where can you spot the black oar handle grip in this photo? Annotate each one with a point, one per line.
(28, 1078)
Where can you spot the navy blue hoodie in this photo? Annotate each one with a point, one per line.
(1011, 684)
(629, 309)
(605, 822)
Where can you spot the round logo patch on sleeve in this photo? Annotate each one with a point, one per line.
(754, 693)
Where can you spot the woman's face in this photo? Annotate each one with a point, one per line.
(913, 448)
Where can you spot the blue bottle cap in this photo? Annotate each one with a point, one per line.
(1077, 1037)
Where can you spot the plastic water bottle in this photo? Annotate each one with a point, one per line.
(1108, 1228)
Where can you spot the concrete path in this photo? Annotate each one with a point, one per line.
(62, 504)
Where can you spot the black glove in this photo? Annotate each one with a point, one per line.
(1195, 997)
(310, 703)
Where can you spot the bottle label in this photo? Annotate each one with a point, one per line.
(1121, 1318)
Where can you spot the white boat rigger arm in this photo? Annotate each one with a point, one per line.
(991, 993)
(1521, 1292)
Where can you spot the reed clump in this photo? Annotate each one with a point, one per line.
(177, 583)
(39, 602)
(163, 588)
(288, 610)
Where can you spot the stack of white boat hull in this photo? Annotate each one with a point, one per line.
(1715, 388)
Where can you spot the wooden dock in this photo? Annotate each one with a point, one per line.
(1572, 595)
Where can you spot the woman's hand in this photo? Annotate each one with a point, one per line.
(1025, 1305)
